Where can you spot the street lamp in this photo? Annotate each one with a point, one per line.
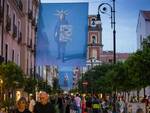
(103, 9)
(92, 61)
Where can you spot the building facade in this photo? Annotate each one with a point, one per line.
(95, 53)
(18, 32)
(107, 57)
(143, 27)
(94, 42)
(47, 73)
(143, 31)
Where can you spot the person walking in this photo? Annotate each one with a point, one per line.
(60, 103)
(96, 104)
(139, 110)
(89, 103)
(43, 106)
(31, 103)
(21, 106)
(120, 105)
(83, 105)
(78, 103)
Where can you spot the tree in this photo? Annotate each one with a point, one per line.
(13, 78)
(55, 84)
(133, 74)
(12, 74)
(32, 82)
(138, 66)
(43, 86)
(96, 79)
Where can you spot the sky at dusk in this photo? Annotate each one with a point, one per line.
(127, 12)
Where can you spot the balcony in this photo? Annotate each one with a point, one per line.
(14, 31)
(19, 4)
(31, 71)
(35, 28)
(30, 44)
(33, 22)
(30, 14)
(8, 23)
(94, 28)
(1, 14)
(36, 2)
(33, 49)
(1, 59)
(20, 38)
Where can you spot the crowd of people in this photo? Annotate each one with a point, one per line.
(67, 103)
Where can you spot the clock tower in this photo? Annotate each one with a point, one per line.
(94, 42)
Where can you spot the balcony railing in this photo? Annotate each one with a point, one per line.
(32, 71)
(14, 31)
(33, 22)
(30, 14)
(33, 49)
(35, 28)
(94, 28)
(19, 4)
(30, 44)
(20, 38)
(1, 14)
(8, 23)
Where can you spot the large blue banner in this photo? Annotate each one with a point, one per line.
(62, 34)
(65, 78)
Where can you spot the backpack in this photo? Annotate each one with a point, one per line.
(75, 107)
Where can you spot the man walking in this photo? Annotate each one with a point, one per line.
(78, 103)
(43, 106)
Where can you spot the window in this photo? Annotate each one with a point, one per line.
(94, 54)
(18, 59)
(27, 67)
(6, 53)
(93, 21)
(14, 17)
(29, 5)
(13, 55)
(93, 24)
(141, 41)
(93, 39)
(33, 9)
(110, 60)
(19, 29)
(7, 10)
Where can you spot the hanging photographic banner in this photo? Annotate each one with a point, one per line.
(62, 34)
(65, 78)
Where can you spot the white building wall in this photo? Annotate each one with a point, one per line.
(143, 30)
(147, 28)
(140, 30)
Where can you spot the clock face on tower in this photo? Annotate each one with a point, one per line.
(93, 24)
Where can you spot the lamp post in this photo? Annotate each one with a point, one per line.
(103, 9)
(92, 61)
